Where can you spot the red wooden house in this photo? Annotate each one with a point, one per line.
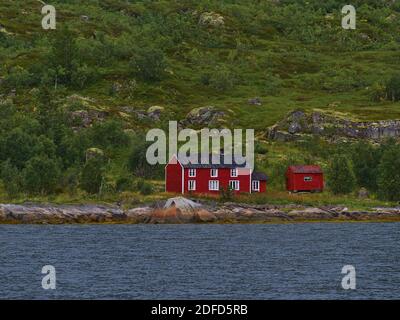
(211, 178)
(304, 178)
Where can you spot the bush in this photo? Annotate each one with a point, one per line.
(41, 175)
(149, 64)
(92, 176)
(144, 187)
(389, 175)
(226, 194)
(109, 134)
(222, 80)
(123, 184)
(393, 88)
(11, 178)
(341, 175)
(137, 162)
(365, 160)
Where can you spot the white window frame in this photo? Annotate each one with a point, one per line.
(191, 185)
(255, 183)
(213, 185)
(214, 171)
(192, 173)
(308, 179)
(236, 185)
(234, 173)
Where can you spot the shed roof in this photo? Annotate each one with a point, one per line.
(305, 169)
(259, 176)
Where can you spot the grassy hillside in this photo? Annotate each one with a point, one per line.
(180, 55)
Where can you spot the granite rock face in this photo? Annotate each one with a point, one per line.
(299, 123)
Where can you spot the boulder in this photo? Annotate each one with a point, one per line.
(204, 116)
(154, 112)
(255, 101)
(205, 216)
(211, 19)
(93, 153)
(85, 118)
(363, 193)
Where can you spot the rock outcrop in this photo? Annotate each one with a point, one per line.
(331, 126)
(181, 210)
(211, 19)
(207, 116)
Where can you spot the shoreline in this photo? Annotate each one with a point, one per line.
(184, 211)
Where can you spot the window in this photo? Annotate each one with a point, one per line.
(307, 179)
(213, 185)
(191, 185)
(255, 185)
(214, 173)
(192, 172)
(234, 185)
(234, 172)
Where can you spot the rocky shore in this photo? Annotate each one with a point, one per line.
(181, 210)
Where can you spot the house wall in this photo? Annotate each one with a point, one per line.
(295, 182)
(263, 186)
(203, 176)
(173, 177)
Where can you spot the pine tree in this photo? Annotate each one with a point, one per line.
(341, 175)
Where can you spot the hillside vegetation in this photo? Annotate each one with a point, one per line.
(76, 101)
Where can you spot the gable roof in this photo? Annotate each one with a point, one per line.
(259, 176)
(305, 169)
(221, 164)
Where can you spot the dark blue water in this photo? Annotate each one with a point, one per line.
(293, 261)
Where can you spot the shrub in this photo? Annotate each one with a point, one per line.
(41, 175)
(144, 187)
(92, 176)
(341, 175)
(222, 80)
(109, 134)
(393, 88)
(123, 184)
(365, 160)
(11, 178)
(389, 174)
(226, 194)
(149, 64)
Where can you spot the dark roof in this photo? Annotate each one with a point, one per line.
(259, 176)
(305, 169)
(221, 164)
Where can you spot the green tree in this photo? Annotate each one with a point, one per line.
(11, 178)
(41, 175)
(137, 162)
(18, 146)
(389, 175)
(393, 88)
(365, 160)
(92, 175)
(341, 175)
(62, 56)
(109, 134)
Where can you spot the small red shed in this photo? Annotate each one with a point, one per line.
(304, 178)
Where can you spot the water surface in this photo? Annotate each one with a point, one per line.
(283, 261)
